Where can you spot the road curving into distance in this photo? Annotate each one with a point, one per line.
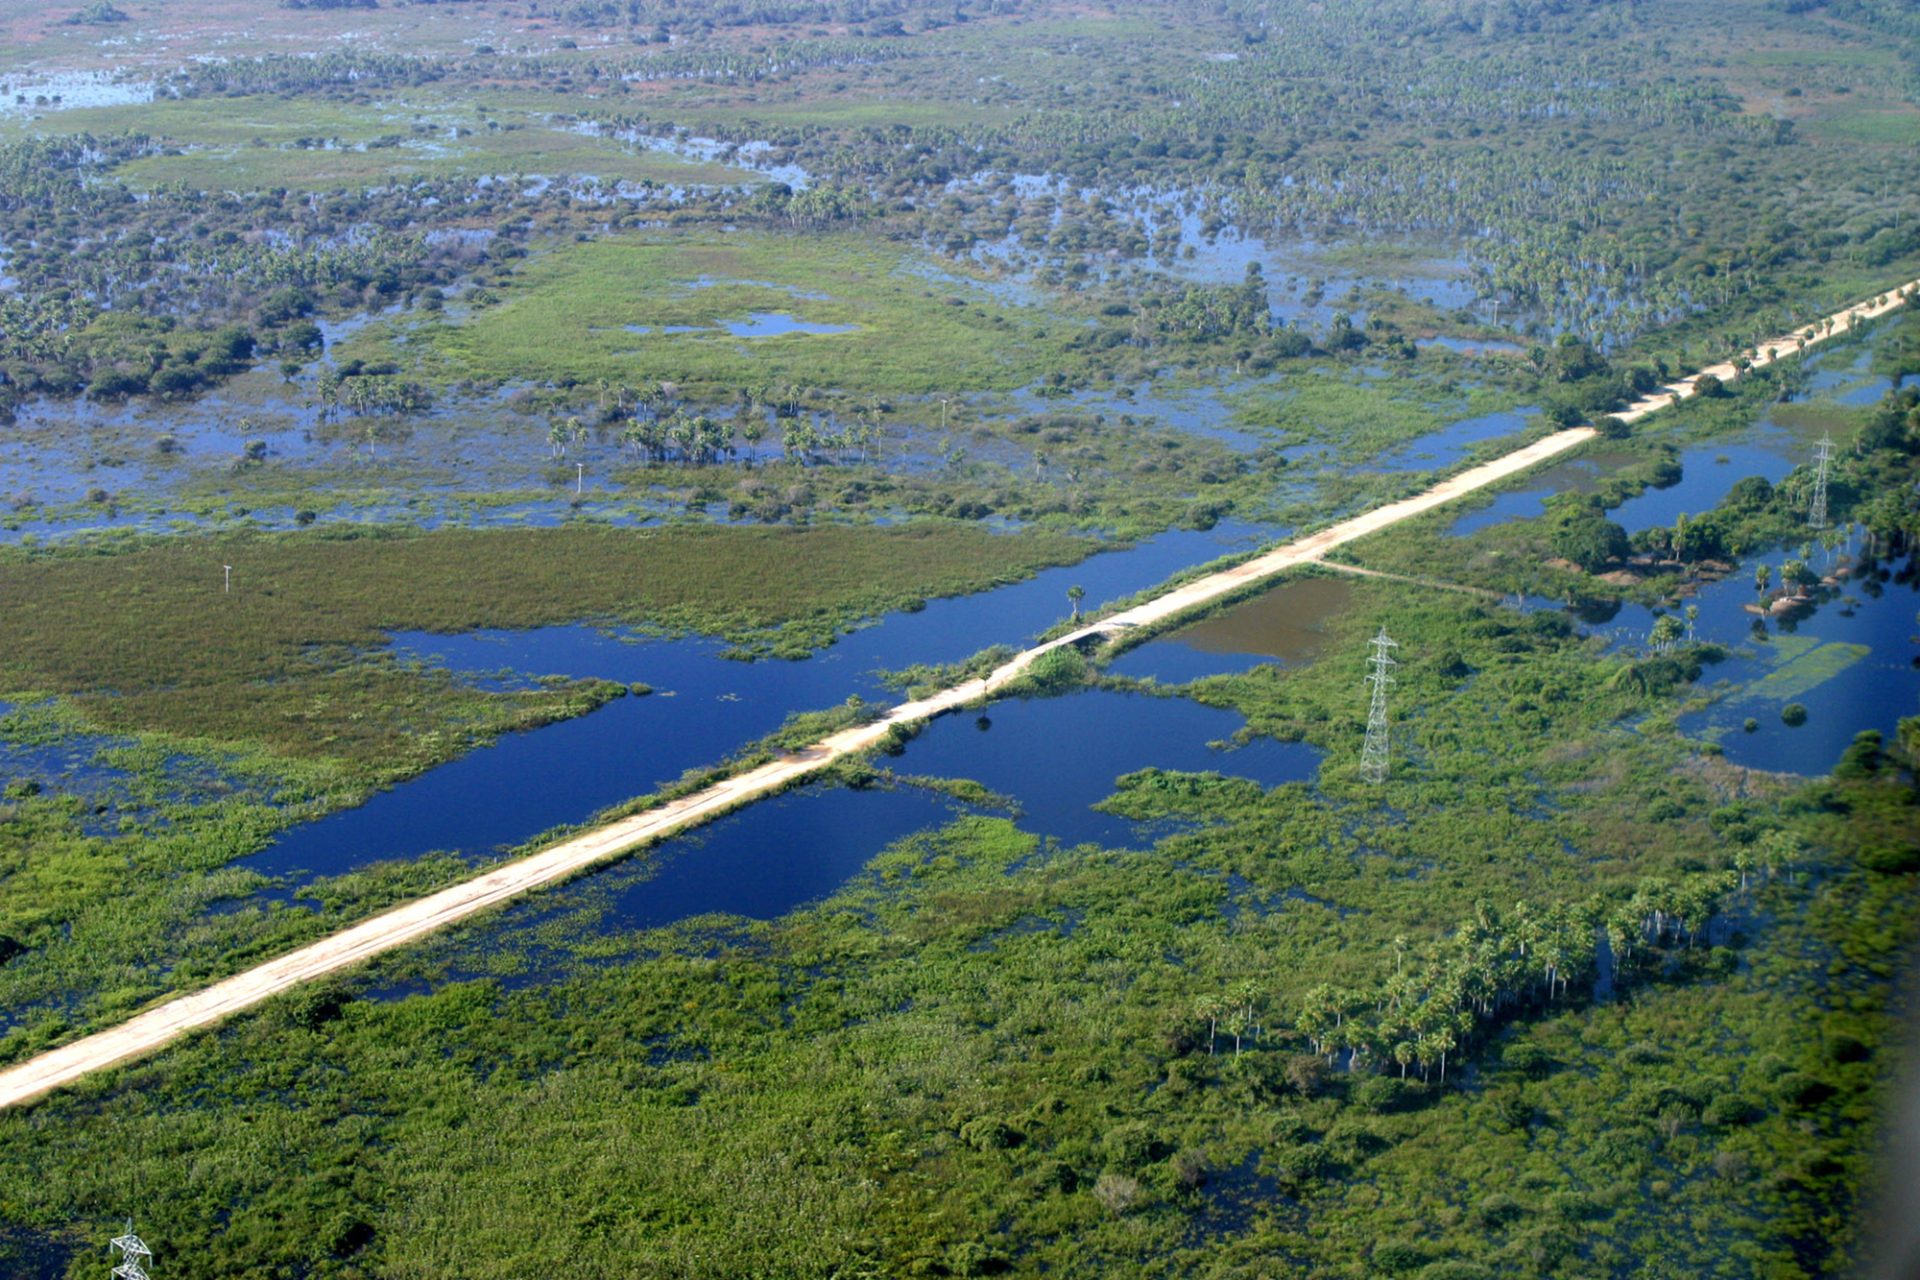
(179, 1015)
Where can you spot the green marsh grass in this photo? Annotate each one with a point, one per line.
(146, 637)
(566, 314)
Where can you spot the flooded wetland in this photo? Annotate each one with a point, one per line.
(956, 639)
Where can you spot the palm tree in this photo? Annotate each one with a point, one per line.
(1209, 1009)
(1443, 1042)
(1075, 594)
(1246, 995)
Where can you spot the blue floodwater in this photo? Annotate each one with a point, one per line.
(73, 765)
(1470, 346)
(1871, 693)
(1447, 446)
(770, 324)
(1059, 756)
(1704, 480)
(1874, 692)
(566, 772)
(1197, 411)
(773, 856)
(1528, 502)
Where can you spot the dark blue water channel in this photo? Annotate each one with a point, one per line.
(703, 708)
(1054, 758)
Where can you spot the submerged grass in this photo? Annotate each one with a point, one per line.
(1806, 671)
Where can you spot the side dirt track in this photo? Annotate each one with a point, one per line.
(176, 1017)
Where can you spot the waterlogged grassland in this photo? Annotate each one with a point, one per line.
(987, 1055)
(571, 314)
(1359, 414)
(255, 143)
(147, 638)
(242, 28)
(816, 102)
(283, 688)
(530, 150)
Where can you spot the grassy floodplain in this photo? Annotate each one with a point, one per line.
(305, 602)
(234, 715)
(984, 1040)
(620, 310)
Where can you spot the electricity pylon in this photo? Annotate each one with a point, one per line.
(133, 1252)
(1822, 457)
(1373, 755)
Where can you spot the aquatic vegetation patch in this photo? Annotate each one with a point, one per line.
(1804, 672)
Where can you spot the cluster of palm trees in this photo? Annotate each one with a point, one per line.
(1496, 965)
(691, 438)
(366, 394)
(665, 432)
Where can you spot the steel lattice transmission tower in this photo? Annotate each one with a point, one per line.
(1373, 756)
(133, 1252)
(1822, 457)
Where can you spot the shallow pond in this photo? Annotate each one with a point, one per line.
(1287, 625)
(1576, 475)
(66, 91)
(772, 324)
(1448, 446)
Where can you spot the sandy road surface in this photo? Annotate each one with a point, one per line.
(176, 1017)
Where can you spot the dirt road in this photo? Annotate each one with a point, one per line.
(178, 1016)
